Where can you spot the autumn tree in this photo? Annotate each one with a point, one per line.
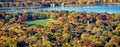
(25, 14)
(60, 20)
(1, 22)
(80, 2)
(20, 18)
(104, 1)
(115, 1)
(111, 1)
(12, 20)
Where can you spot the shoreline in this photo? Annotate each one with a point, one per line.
(111, 3)
(64, 5)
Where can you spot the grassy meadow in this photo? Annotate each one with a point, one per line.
(37, 22)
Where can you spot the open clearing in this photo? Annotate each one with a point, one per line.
(37, 22)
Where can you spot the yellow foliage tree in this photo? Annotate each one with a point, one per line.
(111, 1)
(104, 1)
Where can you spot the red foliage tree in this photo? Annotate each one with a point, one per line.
(20, 18)
(86, 43)
(91, 45)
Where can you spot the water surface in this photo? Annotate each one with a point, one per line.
(110, 8)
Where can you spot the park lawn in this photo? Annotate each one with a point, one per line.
(36, 22)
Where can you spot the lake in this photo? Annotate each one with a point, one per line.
(110, 8)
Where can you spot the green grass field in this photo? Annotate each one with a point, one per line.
(37, 22)
(1, 4)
